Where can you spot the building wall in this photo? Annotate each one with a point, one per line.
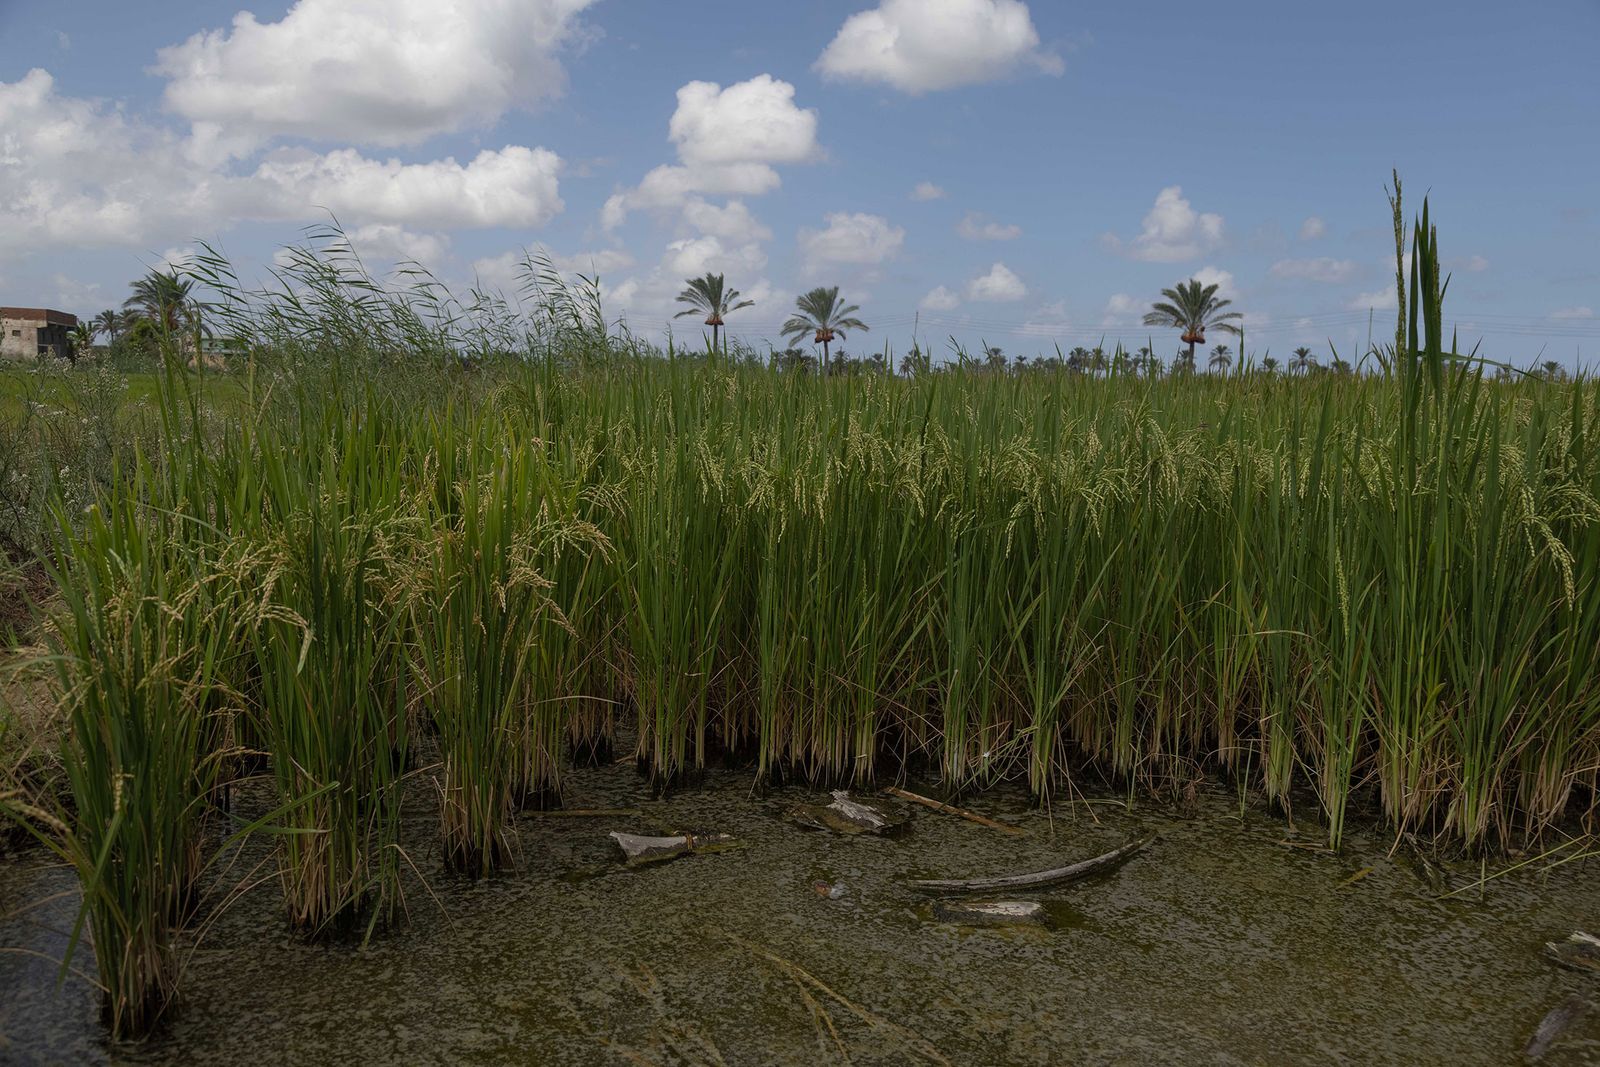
(18, 338)
(22, 334)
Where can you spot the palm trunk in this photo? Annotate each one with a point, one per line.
(825, 357)
(714, 346)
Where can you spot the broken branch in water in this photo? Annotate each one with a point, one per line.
(846, 815)
(991, 913)
(1579, 952)
(1553, 1025)
(951, 809)
(1035, 879)
(638, 849)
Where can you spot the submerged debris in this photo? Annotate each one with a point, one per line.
(1054, 876)
(951, 809)
(846, 815)
(990, 913)
(587, 813)
(1433, 873)
(1354, 878)
(639, 850)
(1579, 952)
(830, 890)
(1554, 1024)
(911, 1043)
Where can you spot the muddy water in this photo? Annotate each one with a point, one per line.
(1218, 945)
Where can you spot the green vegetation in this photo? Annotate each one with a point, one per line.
(710, 297)
(406, 535)
(1194, 308)
(823, 315)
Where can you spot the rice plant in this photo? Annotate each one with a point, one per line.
(1336, 588)
(141, 647)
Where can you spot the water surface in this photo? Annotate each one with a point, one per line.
(1221, 944)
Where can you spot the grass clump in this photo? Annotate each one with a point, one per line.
(139, 651)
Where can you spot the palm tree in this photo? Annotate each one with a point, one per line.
(1270, 364)
(1194, 309)
(1303, 359)
(1078, 360)
(161, 298)
(823, 315)
(708, 296)
(1221, 359)
(109, 323)
(81, 340)
(1553, 371)
(995, 359)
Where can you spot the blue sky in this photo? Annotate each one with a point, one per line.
(1000, 172)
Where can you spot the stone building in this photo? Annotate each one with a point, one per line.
(29, 333)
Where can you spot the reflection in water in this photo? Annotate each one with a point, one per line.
(1218, 945)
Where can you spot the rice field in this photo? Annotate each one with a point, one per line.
(394, 556)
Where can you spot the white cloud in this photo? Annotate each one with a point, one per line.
(728, 142)
(81, 173)
(1121, 310)
(390, 241)
(1377, 300)
(1255, 320)
(850, 238)
(504, 273)
(1222, 279)
(1049, 319)
(1321, 269)
(668, 187)
(1312, 228)
(940, 299)
(693, 257)
(732, 220)
(754, 121)
(1573, 313)
(1173, 231)
(927, 191)
(72, 296)
(648, 301)
(978, 227)
(1473, 264)
(1000, 285)
(514, 186)
(174, 258)
(384, 72)
(918, 46)
(600, 261)
(63, 41)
